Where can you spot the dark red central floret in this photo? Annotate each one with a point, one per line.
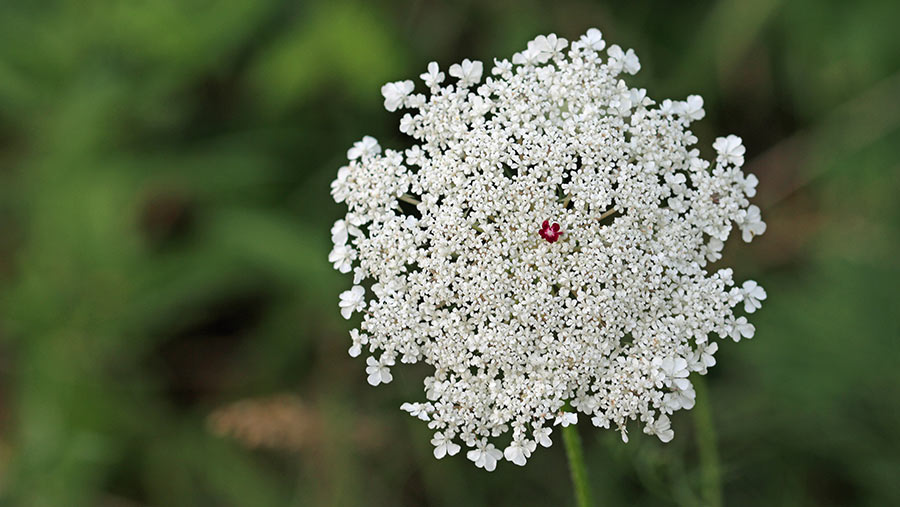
(550, 232)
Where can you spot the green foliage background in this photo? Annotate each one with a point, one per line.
(164, 217)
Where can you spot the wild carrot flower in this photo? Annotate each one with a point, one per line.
(545, 243)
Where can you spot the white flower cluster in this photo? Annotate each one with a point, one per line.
(607, 311)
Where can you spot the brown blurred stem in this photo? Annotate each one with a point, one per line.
(607, 213)
(410, 199)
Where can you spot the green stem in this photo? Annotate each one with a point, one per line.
(710, 470)
(576, 465)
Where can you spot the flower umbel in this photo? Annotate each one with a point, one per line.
(607, 310)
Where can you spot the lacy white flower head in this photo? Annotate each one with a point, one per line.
(544, 247)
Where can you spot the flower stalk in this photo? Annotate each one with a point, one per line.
(710, 470)
(575, 454)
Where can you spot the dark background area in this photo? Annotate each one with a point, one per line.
(169, 329)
